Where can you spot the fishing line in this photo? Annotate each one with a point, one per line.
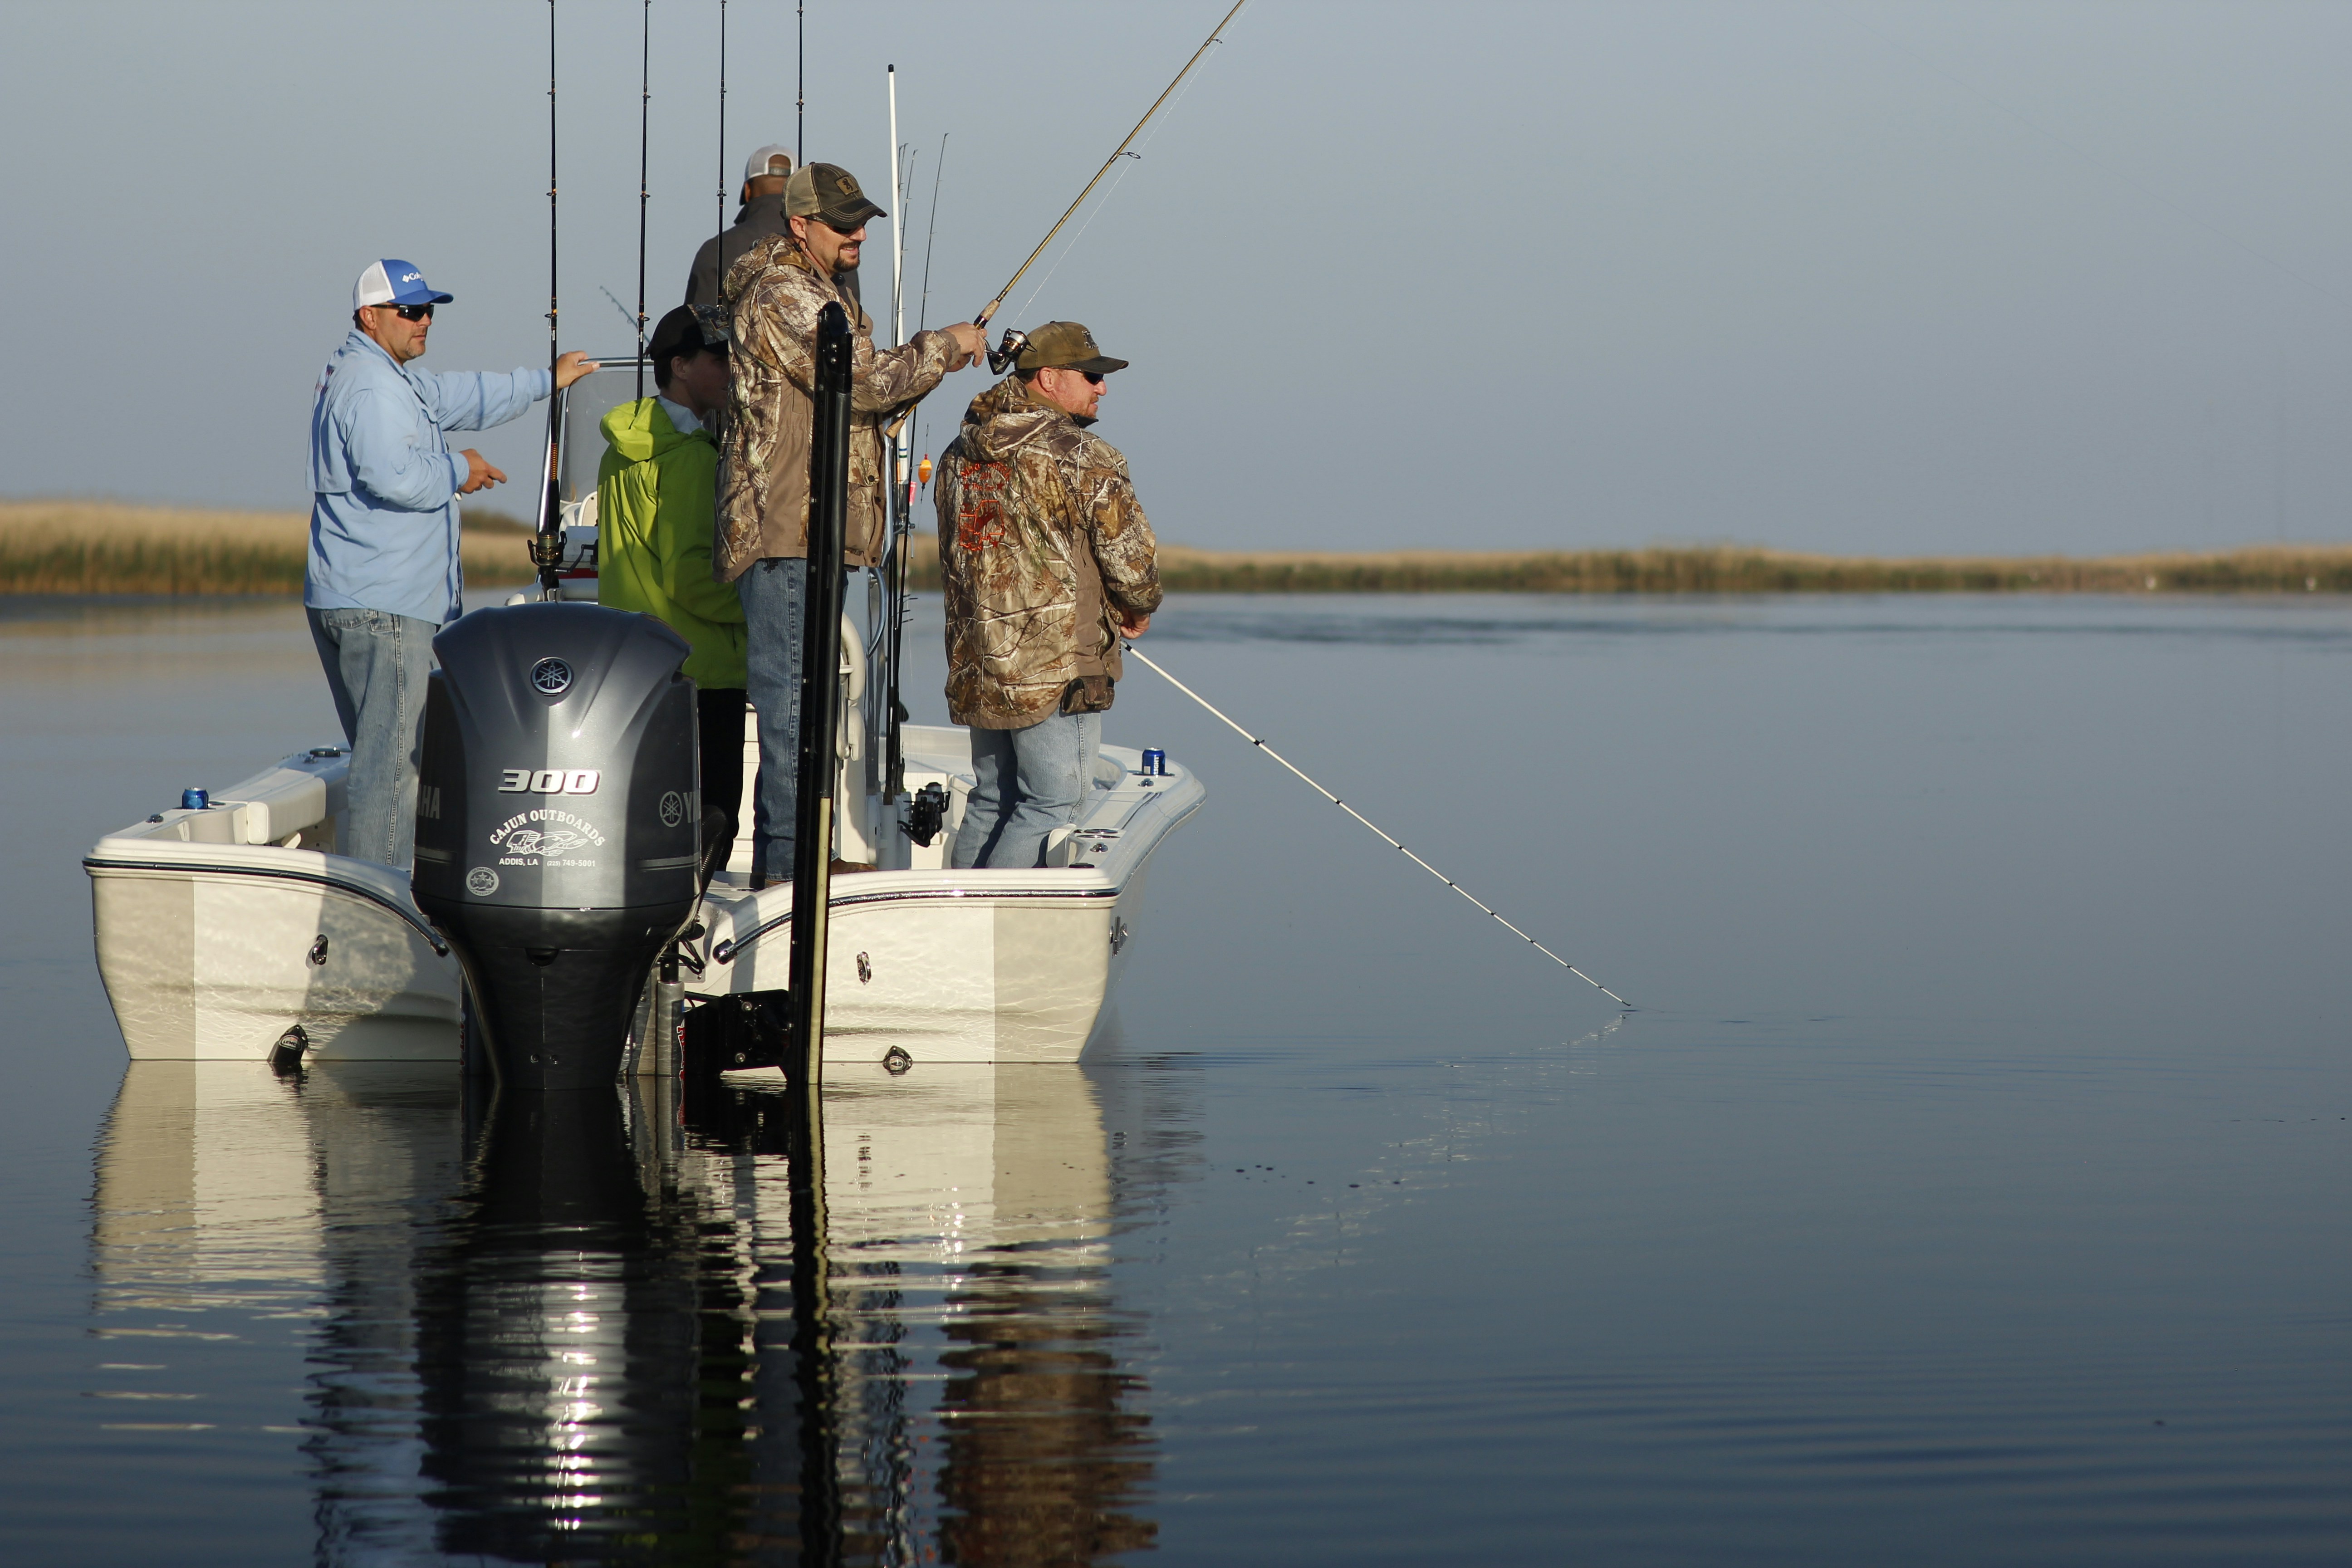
(1367, 822)
(1011, 283)
(1125, 169)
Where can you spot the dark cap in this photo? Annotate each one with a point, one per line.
(830, 193)
(1065, 346)
(689, 329)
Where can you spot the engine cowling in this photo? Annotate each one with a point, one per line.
(557, 825)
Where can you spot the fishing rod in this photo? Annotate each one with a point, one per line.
(931, 234)
(718, 237)
(890, 584)
(645, 190)
(904, 480)
(1367, 822)
(1000, 358)
(626, 319)
(547, 542)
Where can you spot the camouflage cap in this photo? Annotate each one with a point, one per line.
(1065, 346)
(829, 193)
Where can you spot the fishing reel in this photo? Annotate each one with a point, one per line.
(1001, 358)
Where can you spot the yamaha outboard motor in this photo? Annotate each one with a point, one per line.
(556, 826)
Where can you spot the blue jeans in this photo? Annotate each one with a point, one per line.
(1025, 784)
(376, 665)
(775, 619)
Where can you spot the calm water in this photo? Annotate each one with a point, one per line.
(1970, 1188)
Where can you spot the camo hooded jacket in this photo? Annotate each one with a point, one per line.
(774, 294)
(1042, 544)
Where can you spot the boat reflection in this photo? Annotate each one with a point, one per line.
(630, 1327)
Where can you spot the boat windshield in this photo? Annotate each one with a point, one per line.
(585, 404)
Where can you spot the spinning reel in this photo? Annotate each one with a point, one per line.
(1001, 358)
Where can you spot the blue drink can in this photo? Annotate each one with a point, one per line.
(1155, 762)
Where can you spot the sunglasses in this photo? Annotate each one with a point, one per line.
(410, 312)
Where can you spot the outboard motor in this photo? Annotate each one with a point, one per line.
(556, 826)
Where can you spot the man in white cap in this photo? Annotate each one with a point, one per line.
(383, 573)
(765, 174)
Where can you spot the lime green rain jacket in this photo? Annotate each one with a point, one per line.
(655, 504)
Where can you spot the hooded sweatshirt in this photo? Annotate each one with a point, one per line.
(655, 493)
(776, 293)
(1042, 546)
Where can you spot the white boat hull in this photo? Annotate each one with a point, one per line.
(964, 966)
(207, 955)
(219, 930)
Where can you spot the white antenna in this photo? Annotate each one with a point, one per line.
(897, 252)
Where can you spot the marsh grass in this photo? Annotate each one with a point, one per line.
(102, 547)
(1733, 568)
(1736, 569)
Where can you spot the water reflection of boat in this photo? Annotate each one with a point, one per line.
(587, 1326)
(978, 1401)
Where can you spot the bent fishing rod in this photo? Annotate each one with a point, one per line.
(1000, 357)
(1367, 822)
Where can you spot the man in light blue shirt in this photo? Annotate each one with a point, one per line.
(383, 573)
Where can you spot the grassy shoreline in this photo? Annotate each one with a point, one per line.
(101, 548)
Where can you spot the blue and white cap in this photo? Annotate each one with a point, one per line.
(389, 282)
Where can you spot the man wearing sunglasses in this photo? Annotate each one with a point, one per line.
(775, 293)
(383, 573)
(1047, 561)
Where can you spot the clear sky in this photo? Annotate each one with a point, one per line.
(1894, 277)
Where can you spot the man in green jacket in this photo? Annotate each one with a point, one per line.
(655, 502)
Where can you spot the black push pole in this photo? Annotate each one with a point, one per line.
(813, 1377)
(820, 688)
(812, 887)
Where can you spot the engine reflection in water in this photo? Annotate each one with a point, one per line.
(598, 1326)
(557, 1344)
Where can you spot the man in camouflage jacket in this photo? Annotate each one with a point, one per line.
(774, 292)
(1047, 561)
